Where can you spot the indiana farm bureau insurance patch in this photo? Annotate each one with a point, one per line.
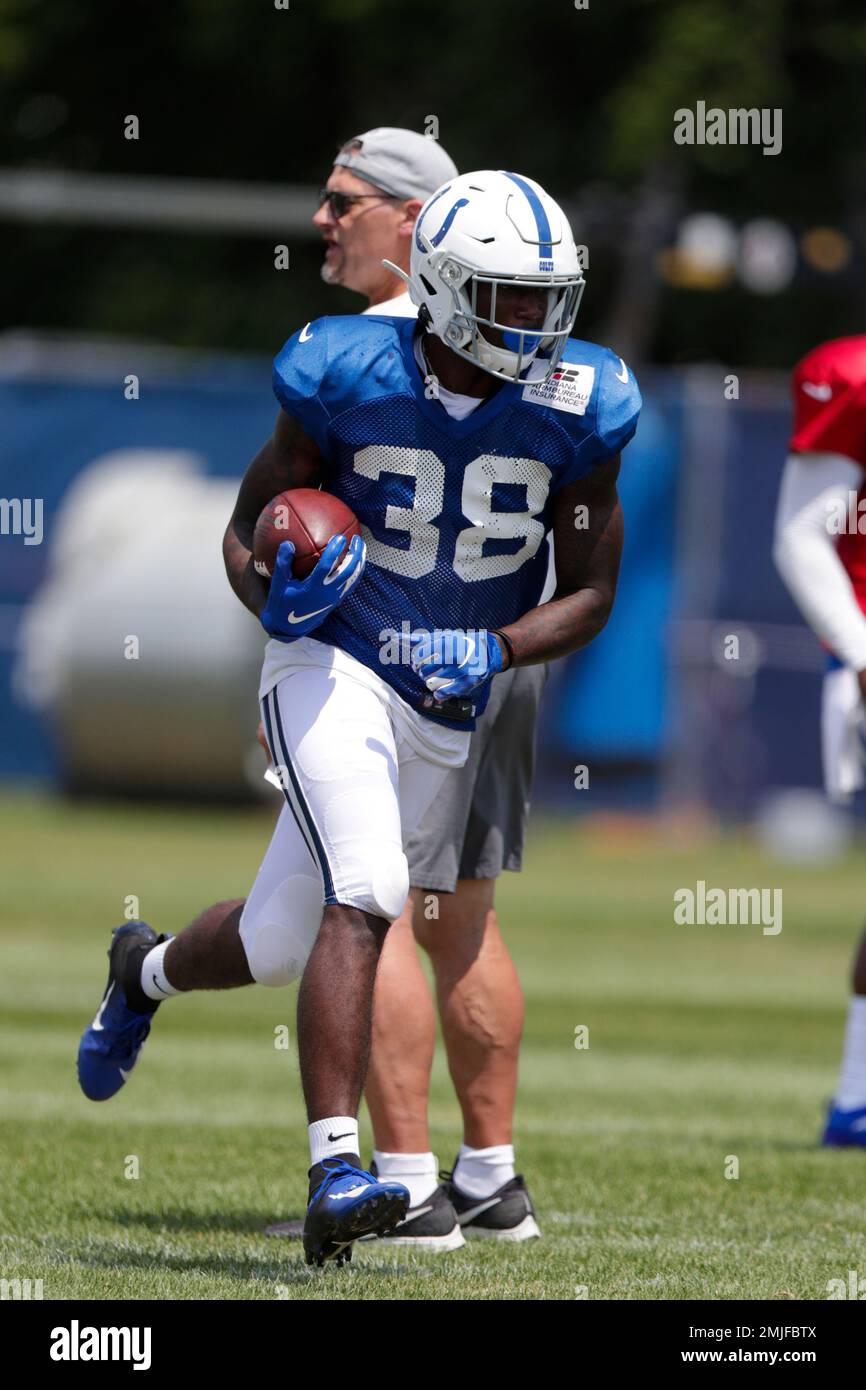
(569, 388)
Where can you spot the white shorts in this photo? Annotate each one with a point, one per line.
(358, 769)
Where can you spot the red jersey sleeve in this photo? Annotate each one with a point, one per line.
(829, 388)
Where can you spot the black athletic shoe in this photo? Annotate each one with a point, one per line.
(507, 1214)
(432, 1225)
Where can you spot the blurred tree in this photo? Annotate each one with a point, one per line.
(582, 99)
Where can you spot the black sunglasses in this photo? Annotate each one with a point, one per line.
(341, 202)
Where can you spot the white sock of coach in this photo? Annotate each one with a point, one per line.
(418, 1172)
(851, 1092)
(480, 1172)
(154, 981)
(336, 1135)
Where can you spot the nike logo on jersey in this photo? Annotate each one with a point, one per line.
(302, 617)
(818, 393)
(97, 1025)
(624, 377)
(304, 336)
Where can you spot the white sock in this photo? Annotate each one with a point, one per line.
(480, 1172)
(154, 980)
(418, 1172)
(851, 1091)
(336, 1135)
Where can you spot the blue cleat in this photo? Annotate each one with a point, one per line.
(845, 1128)
(110, 1047)
(348, 1202)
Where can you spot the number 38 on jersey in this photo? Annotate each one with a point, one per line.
(419, 521)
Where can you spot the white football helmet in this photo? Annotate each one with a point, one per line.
(495, 228)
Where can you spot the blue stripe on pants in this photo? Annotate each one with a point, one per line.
(299, 807)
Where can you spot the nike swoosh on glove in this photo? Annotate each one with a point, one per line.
(453, 662)
(298, 606)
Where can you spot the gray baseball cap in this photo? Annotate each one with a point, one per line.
(400, 162)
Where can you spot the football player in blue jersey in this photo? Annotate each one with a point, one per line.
(459, 441)
(472, 832)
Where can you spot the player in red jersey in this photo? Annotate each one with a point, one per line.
(820, 552)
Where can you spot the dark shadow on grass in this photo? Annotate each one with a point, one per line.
(290, 1271)
(250, 1222)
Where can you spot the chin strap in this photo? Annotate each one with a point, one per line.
(398, 271)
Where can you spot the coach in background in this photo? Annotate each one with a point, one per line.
(473, 831)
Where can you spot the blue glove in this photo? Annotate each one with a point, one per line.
(451, 662)
(297, 606)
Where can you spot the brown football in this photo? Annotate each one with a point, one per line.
(306, 517)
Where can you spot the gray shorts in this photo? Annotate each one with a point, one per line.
(475, 826)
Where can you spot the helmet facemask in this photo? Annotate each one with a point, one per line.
(534, 351)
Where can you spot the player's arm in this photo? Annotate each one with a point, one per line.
(587, 567)
(289, 459)
(814, 486)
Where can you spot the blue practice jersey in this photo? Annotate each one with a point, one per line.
(454, 513)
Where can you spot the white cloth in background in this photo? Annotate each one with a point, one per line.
(843, 728)
(400, 307)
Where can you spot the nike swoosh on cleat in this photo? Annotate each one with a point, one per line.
(477, 1210)
(304, 336)
(411, 1215)
(624, 377)
(353, 1192)
(97, 1025)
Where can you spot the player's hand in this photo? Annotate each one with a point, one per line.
(451, 662)
(298, 606)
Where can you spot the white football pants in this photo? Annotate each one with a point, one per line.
(355, 788)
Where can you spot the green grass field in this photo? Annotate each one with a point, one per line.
(705, 1042)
